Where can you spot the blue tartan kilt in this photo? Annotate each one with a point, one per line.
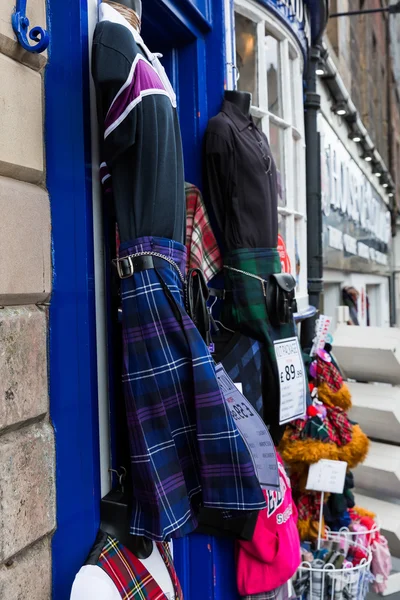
(185, 447)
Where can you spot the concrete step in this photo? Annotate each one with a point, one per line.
(376, 407)
(380, 473)
(368, 353)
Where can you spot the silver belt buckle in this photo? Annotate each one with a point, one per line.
(119, 269)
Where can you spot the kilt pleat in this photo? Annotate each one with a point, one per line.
(185, 448)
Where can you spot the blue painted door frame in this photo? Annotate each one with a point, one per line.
(73, 377)
(191, 34)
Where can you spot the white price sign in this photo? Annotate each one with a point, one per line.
(253, 431)
(292, 382)
(327, 476)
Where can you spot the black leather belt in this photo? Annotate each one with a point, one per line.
(128, 265)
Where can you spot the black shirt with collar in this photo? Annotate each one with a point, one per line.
(240, 181)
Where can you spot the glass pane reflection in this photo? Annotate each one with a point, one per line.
(246, 56)
(273, 75)
(276, 142)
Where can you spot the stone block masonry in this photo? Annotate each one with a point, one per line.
(27, 454)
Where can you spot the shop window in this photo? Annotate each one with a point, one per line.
(270, 66)
(246, 55)
(272, 59)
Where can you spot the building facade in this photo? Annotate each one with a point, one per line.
(359, 127)
(57, 435)
(359, 130)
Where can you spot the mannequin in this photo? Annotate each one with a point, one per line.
(111, 572)
(241, 187)
(135, 5)
(115, 515)
(144, 205)
(241, 99)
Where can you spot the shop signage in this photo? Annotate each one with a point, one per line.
(295, 14)
(356, 219)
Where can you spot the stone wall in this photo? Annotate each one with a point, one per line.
(27, 487)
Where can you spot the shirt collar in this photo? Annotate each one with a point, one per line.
(108, 13)
(235, 114)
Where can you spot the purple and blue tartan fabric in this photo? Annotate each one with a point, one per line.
(185, 447)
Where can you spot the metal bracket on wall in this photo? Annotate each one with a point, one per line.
(20, 24)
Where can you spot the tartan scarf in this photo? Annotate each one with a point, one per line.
(338, 425)
(335, 428)
(185, 447)
(329, 374)
(202, 249)
(308, 504)
(245, 310)
(130, 576)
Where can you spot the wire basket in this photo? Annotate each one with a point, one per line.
(362, 538)
(323, 581)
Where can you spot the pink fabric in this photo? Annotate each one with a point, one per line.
(381, 565)
(361, 537)
(273, 555)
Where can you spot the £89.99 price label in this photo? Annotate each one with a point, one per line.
(292, 382)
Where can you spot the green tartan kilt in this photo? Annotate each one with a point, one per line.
(245, 310)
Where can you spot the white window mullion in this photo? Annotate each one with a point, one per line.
(261, 63)
(285, 81)
(278, 121)
(265, 125)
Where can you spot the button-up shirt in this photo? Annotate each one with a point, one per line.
(141, 146)
(240, 181)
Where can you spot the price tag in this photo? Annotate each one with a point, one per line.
(292, 381)
(327, 476)
(253, 431)
(321, 333)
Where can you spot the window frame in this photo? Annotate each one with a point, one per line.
(291, 123)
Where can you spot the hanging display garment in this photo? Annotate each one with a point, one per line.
(141, 147)
(235, 525)
(240, 180)
(202, 248)
(241, 187)
(242, 359)
(184, 445)
(272, 557)
(113, 572)
(247, 277)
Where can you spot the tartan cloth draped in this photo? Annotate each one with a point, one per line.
(130, 576)
(245, 310)
(202, 248)
(337, 428)
(185, 447)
